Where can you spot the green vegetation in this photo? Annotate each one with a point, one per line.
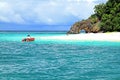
(108, 15)
(105, 19)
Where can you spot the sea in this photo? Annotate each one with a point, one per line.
(45, 59)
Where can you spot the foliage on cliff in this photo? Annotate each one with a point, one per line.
(109, 15)
(106, 18)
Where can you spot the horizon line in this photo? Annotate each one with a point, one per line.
(33, 30)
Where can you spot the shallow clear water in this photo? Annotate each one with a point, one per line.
(57, 60)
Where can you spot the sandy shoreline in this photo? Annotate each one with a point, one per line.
(114, 36)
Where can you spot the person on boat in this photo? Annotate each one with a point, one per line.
(28, 39)
(28, 36)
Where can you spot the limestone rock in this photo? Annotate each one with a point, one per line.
(86, 25)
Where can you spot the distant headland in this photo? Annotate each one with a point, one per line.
(105, 19)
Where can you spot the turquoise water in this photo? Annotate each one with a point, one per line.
(57, 60)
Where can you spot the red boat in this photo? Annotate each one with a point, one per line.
(28, 39)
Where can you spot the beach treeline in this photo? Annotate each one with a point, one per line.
(105, 19)
(109, 15)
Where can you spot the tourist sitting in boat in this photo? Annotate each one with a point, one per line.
(28, 39)
(28, 36)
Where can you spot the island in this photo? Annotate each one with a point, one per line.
(105, 19)
(103, 25)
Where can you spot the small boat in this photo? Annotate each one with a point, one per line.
(28, 39)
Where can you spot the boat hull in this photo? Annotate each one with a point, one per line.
(28, 39)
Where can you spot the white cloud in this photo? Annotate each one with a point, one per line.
(7, 14)
(45, 11)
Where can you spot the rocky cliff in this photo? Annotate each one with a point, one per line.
(86, 25)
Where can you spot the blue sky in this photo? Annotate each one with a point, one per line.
(43, 14)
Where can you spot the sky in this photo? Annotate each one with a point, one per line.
(44, 14)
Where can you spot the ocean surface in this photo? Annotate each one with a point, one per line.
(57, 59)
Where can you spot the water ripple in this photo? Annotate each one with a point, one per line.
(53, 61)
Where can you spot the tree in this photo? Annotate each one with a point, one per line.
(99, 10)
(109, 16)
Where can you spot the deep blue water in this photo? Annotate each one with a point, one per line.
(57, 60)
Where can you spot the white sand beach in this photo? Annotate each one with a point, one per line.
(113, 36)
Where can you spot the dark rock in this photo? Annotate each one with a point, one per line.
(84, 25)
